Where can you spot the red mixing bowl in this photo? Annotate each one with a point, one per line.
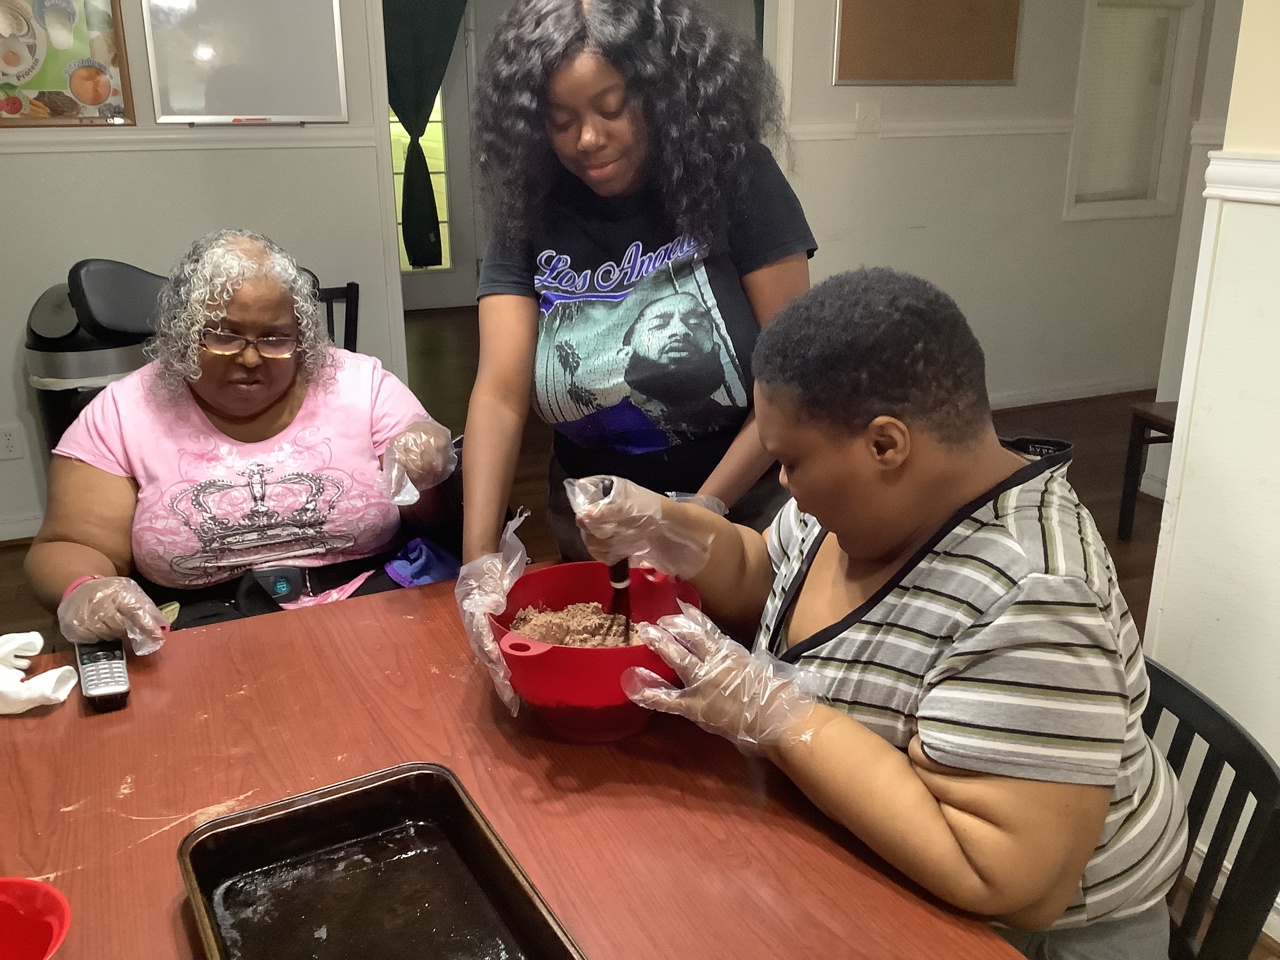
(577, 690)
(33, 919)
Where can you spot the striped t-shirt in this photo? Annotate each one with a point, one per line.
(1006, 645)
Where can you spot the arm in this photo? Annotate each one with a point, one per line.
(996, 846)
(496, 415)
(735, 582)
(88, 528)
(421, 514)
(768, 290)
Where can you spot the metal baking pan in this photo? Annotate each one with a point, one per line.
(395, 865)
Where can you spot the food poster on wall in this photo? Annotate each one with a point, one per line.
(62, 62)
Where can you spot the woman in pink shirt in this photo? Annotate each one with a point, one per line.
(250, 462)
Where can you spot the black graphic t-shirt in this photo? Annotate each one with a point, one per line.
(645, 339)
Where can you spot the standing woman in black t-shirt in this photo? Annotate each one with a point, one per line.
(641, 237)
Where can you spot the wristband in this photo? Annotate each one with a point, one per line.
(79, 580)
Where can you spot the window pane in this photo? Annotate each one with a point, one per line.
(399, 145)
(446, 255)
(433, 147)
(442, 196)
(1123, 96)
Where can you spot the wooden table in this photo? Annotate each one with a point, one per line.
(668, 844)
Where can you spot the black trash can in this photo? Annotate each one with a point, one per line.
(83, 334)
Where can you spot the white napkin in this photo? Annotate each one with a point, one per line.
(17, 694)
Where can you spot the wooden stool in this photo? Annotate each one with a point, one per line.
(1152, 423)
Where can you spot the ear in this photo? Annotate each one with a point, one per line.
(889, 441)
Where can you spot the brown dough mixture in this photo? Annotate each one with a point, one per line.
(577, 625)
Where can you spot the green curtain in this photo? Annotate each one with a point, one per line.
(760, 24)
(419, 38)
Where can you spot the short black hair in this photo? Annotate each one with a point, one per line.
(875, 342)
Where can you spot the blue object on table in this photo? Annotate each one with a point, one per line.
(422, 561)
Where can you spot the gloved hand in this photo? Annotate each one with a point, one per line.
(482, 589)
(752, 699)
(628, 523)
(110, 607)
(419, 458)
(18, 694)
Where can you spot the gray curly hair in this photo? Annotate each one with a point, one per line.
(200, 286)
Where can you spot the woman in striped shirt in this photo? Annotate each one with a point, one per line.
(943, 660)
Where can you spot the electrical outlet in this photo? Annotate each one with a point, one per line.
(11, 447)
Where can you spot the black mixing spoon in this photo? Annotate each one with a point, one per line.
(619, 578)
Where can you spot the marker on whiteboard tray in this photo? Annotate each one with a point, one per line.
(250, 119)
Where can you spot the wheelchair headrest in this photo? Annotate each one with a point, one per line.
(114, 300)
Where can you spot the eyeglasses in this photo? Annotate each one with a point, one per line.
(228, 345)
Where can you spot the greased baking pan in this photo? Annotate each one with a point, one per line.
(395, 865)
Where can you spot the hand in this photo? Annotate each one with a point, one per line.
(752, 699)
(627, 522)
(107, 608)
(418, 459)
(482, 589)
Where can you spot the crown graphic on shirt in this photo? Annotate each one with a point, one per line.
(207, 507)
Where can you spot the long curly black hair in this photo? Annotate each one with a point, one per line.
(705, 91)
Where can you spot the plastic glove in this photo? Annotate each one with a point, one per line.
(110, 607)
(752, 699)
(418, 459)
(482, 589)
(628, 523)
(18, 694)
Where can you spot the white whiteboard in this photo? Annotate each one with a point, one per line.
(246, 61)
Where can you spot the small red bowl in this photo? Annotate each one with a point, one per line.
(33, 919)
(577, 690)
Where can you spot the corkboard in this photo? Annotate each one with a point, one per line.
(926, 41)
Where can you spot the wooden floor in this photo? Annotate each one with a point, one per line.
(443, 349)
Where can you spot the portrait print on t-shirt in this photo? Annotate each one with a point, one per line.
(635, 366)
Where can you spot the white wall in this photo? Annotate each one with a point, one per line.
(1213, 616)
(1206, 135)
(143, 194)
(965, 185)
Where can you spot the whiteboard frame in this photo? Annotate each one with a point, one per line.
(210, 120)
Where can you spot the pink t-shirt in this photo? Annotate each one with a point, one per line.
(210, 507)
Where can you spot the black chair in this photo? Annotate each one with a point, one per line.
(1151, 423)
(112, 299)
(349, 296)
(1253, 883)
